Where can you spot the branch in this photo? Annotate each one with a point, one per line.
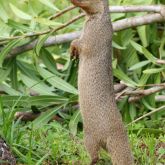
(47, 31)
(30, 116)
(148, 114)
(160, 61)
(128, 9)
(62, 12)
(135, 95)
(137, 21)
(157, 8)
(53, 40)
(143, 93)
(117, 9)
(160, 98)
(117, 26)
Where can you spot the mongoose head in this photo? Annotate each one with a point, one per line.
(90, 6)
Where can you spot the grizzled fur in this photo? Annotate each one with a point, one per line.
(103, 125)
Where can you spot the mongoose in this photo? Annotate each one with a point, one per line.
(102, 121)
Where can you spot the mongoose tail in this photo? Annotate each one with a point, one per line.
(102, 121)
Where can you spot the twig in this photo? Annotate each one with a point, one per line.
(30, 116)
(142, 93)
(117, 26)
(62, 12)
(119, 87)
(160, 61)
(148, 114)
(149, 18)
(147, 91)
(117, 9)
(47, 31)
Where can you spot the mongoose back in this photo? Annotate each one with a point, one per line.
(102, 121)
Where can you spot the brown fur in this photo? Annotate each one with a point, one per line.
(103, 125)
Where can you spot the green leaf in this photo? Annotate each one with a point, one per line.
(73, 124)
(18, 25)
(148, 55)
(13, 75)
(122, 76)
(147, 131)
(3, 14)
(143, 35)
(49, 61)
(136, 46)
(144, 51)
(139, 65)
(19, 13)
(56, 81)
(49, 4)
(143, 80)
(7, 49)
(132, 111)
(41, 42)
(117, 46)
(37, 86)
(47, 22)
(7, 89)
(153, 71)
(5, 71)
(28, 101)
(28, 69)
(45, 117)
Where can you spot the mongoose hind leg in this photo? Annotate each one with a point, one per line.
(92, 147)
(117, 146)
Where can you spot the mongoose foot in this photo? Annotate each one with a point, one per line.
(94, 161)
(74, 49)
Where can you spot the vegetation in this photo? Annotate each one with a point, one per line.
(44, 79)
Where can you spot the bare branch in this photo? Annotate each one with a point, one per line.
(53, 40)
(30, 116)
(47, 31)
(160, 98)
(137, 21)
(157, 18)
(160, 61)
(118, 9)
(135, 95)
(127, 9)
(119, 87)
(117, 26)
(147, 91)
(62, 12)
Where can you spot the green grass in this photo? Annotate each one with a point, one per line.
(53, 143)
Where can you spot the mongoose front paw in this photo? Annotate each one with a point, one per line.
(74, 49)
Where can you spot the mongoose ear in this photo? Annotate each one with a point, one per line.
(89, 6)
(79, 3)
